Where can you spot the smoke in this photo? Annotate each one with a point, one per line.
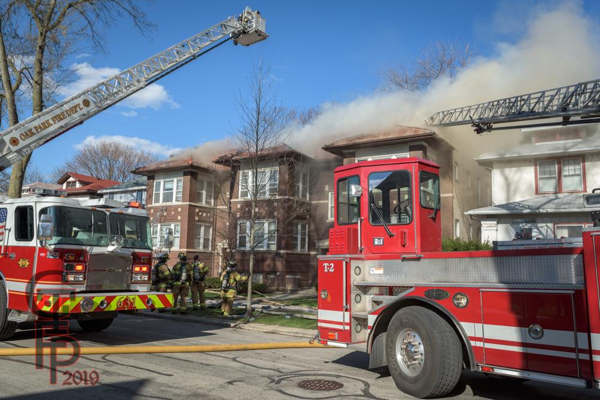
(559, 46)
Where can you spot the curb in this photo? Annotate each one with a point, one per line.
(279, 330)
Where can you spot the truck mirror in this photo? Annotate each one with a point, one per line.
(356, 190)
(45, 227)
(168, 239)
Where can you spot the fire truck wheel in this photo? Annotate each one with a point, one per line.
(95, 325)
(424, 353)
(7, 328)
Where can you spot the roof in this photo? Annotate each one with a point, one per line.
(276, 151)
(92, 187)
(387, 161)
(529, 149)
(551, 203)
(402, 134)
(136, 184)
(168, 165)
(79, 177)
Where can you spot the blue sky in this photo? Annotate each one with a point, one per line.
(318, 51)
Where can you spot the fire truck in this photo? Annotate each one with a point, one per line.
(89, 259)
(529, 310)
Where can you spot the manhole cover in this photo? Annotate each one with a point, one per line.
(321, 385)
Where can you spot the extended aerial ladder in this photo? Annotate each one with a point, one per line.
(21, 139)
(581, 101)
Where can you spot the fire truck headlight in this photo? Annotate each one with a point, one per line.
(460, 300)
(139, 277)
(324, 294)
(75, 277)
(87, 304)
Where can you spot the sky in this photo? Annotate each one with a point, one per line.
(318, 52)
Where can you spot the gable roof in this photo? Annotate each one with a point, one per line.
(169, 165)
(76, 176)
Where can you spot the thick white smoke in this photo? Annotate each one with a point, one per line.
(560, 46)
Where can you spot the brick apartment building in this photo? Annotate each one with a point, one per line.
(209, 212)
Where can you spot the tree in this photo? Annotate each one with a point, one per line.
(441, 58)
(33, 174)
(35, 38)
(106, 160)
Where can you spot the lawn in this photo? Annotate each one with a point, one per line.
(303, 302)
(281, 320)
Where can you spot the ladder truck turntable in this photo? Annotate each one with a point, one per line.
(527, 311)
(89, 259)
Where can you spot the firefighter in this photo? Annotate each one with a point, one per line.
(181, 284)
(229, 280)
(162, 277)
(199, 272)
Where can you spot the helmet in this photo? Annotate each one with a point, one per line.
(232, 264)
(196, 257)
(182, 256)
(164, 256)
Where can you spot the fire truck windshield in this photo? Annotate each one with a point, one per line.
(78, 226)
(134, 229)
(389, 195)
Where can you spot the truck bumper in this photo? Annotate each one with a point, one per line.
(82, 303)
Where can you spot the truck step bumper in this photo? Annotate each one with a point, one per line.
(102, 302)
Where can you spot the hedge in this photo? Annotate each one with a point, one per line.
(461, 245)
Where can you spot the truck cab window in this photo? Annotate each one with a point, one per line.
(348, 208)
(24, 223)
(390, 198)
(429, 185)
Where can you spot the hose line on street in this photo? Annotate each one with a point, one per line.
(31, 351)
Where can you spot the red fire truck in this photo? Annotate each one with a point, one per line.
(87, 259)
(523, 312)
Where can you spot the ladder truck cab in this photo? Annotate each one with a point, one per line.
(522, 312)
(87, 259)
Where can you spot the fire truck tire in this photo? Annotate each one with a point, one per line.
(95, 325)
(7, 328)
(424, 353)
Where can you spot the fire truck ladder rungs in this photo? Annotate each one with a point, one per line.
(21, 139)
(579, 100)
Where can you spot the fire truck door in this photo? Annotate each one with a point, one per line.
(334, 314)
(551, 341)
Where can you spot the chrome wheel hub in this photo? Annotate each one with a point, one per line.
(410, 353)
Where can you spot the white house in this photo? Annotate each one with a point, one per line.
(538, 185)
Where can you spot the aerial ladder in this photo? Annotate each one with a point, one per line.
(21, 139)
(574, 105)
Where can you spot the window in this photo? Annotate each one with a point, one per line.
(24, 223)
(71, 184)
(348, 208)
(134, 230)
(572, 179)
(82, 226)
(300, 236)
(429, 185)
(160, 230)
(302, 183)
(167, 190)
(568, 231)
(266, 183)
(205, 194)
(547, 176)
(258, 278)
(389, 198)
(457, 229)
(456, 173)
(265, 235)
(202, 236)
(330, 207)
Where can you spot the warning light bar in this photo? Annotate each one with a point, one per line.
(48, 192)
(133, 204)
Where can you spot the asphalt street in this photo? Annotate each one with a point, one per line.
(274, 374)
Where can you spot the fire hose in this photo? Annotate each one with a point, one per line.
(31, 351)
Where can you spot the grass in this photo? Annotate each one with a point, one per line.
(303, 302)
(281, 320)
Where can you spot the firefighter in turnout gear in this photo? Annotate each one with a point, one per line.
(229, 280)
(199, 272)
(181, 284)
(162, 277)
